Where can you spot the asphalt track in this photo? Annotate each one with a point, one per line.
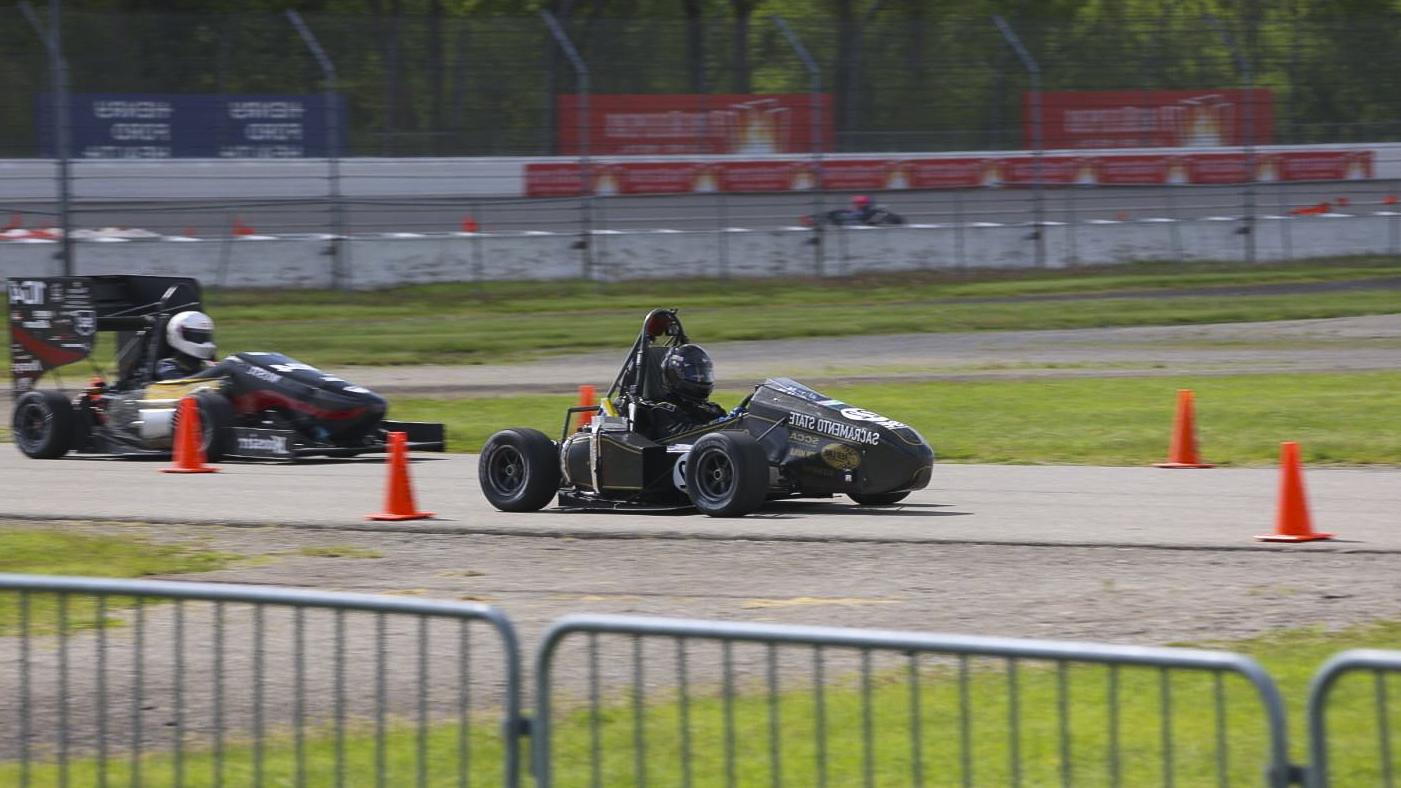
(966, 504)
(143, 206)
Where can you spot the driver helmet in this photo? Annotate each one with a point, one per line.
(860, 201)
(688, 373)
(191, 333)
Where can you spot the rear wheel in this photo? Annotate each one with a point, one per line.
(519, 470)
(879, 499)
(44, 424)
(727, 474)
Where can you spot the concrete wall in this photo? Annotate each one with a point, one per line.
(33, 180)
(459, 257)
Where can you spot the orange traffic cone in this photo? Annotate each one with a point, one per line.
(1182, 452)
(188, 454)
(1292, 519)
(586, 399)
(398, 496)
(469, 225)
(239, 228)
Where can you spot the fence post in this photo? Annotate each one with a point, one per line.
(1247, 77)
(814, 131)
(340, 274)
(1375, 661)
(1038, 198)
(58, 77)
(581, 120)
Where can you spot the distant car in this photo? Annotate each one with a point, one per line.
(251, 405)
(784, 440)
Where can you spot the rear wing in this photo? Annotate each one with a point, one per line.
(54, 321)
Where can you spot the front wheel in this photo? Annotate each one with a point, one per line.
(44, 424)
(878, 499)
(727, 474)
(216, 421)
(519, 470)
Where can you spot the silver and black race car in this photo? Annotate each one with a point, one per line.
(251, 405)
(784, 440)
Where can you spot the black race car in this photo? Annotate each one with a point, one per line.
(783, 441)
(251, 405)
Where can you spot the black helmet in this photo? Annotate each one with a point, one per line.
(688, 373)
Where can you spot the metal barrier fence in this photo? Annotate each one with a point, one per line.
(924, 709)
(228, 684)
(243, 685)
(1325, 685)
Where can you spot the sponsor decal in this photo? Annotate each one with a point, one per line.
(21, 367)
(835, 429)
(858, 414)
(263, 374)
(678, 472)
(294, 366)
(28, 293)
(841, 456)
(803, 437)
(84, 322)
(274, 444)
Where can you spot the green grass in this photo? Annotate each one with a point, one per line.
(1291, 657)
(1337, 417)
(474, 324)
(48, 551)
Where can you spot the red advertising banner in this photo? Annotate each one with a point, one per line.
(1151, 118)
(695, 124)
(856, 174)
(1209, 168)
(944, 173)
(756, 176)
(1134, 170)
(553, 180)
(1054, 170)
(764, 176)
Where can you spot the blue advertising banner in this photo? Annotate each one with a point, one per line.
(163, 126)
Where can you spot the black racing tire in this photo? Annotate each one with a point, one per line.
(44, 424)
(727, 474)
(519, 470)
(878, 499)
(216, 420)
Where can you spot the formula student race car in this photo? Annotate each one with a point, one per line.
(783, 441)
(251, 405)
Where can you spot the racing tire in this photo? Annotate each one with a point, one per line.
(878, 499)
(44, 425)
(727, 474)
(519, 470)
(216, 420)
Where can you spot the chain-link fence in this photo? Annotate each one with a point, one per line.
(899, 80)
(464, 124)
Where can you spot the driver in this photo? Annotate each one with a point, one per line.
(863, 209)
(190, 336)
(688, 377)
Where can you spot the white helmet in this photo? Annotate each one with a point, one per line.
(191, 333)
